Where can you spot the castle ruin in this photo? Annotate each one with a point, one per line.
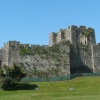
(71, 50)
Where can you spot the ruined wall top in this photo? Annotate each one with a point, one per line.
(17, 44)
(74, 34)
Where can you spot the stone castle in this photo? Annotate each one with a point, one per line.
(71, 50)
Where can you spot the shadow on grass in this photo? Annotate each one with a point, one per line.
(22, 86)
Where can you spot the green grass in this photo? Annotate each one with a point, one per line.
(85, 88)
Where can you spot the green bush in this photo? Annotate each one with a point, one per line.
(10, 75)
(7, 83)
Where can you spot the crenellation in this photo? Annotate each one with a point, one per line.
(61, 30)
(45, 46)
(13, 43)
(34, 45)
(82, 28)
(23, 45)
(90, 29)
(81, 35)
(73, 27)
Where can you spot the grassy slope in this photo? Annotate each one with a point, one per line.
(85, 88)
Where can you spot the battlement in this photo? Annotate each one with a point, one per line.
(74, 34)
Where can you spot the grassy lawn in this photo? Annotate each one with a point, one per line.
(85, 88)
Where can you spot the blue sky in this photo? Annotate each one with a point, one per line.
(31, 21)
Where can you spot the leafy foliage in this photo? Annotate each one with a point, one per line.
(7, 83)
(16, 73)
(10, 75)
(24, 50)
(87, 31)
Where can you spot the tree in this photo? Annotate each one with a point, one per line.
(10, 75)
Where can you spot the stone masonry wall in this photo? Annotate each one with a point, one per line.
(84, 55)
(13, 54)
(4, 54)
(41, 61)
(52, 38)
(80, 59)
(96, 58)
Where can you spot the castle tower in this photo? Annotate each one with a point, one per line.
(9, 53)
(13, 52)
(69, 34)
(75, 35)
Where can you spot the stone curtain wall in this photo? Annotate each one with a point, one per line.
(41, 61)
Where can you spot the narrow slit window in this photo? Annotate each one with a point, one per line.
(85, 41)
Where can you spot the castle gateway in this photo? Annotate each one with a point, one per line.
(71, 50)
